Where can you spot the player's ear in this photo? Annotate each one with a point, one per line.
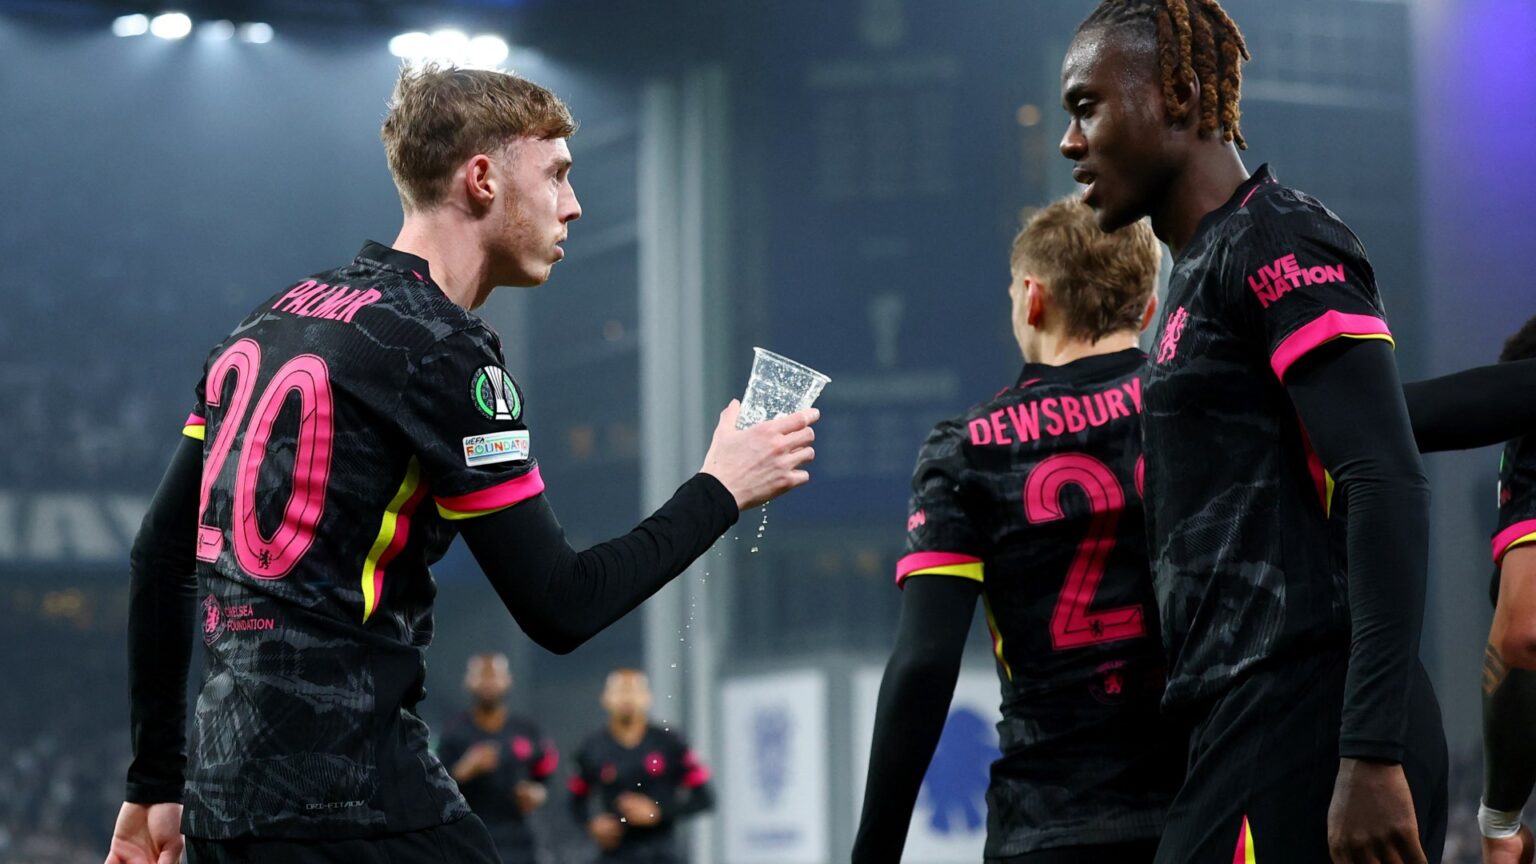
(1186, 97)
(1150, 313)
(1034, 301)
(480, 182)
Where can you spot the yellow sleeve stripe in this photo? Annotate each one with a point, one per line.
(199, 432)
(456, 515)
(394, 531)
(997, 638)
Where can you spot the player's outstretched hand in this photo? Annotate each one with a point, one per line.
(1519, 849)
(762, 462)
(638, 810)
(607, 830)
(147, 834)
(530, 796)
(1371, 818)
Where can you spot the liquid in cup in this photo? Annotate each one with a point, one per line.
(777, 386)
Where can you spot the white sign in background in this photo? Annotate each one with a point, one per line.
(949, 823)
(774, 769)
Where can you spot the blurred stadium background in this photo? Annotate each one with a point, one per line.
(837, 181)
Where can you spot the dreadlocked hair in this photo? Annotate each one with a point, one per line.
(1522, 345)
(1196, 40)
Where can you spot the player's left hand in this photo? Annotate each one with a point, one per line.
(1519, 849)
(147, 834)
(638, 810)
(530, 796)
(1371, 818)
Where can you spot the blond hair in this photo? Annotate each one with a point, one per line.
(1100, 282)
(440, 116)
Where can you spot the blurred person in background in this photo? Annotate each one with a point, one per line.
(1030, 502)
(293, 522)
(634, 780)
(1509, 661)
(500, 760)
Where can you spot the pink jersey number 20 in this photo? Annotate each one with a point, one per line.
(307, 376)
(1072, 625)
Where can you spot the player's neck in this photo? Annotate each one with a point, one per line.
(489, 717)
(1210, 177)
(459, 266)
(627, 730)
(1059, 351)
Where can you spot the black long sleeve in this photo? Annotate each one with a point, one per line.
(577, 807)
(919, 682)
(1350, 402)
(161, 606)
(1509, 748)
(691, 801)
(560, 597)
(1475, 408)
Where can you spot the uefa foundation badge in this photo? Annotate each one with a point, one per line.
(496, 448)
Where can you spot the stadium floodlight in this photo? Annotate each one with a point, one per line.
(451, 46)
(256, 33)
(170, 25)
(487, 50)
(130, 25)
(217, 31)
(411, 46)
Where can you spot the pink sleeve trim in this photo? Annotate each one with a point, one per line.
(697, 774)
(927, 560)
(547, 765)
(1512, 536)
(501, 495)
(194, 420)
(1322, 330)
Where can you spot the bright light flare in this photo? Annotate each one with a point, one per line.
(487, 50)
(130, 25)
(256, 33)
(450, 46)
(217, 31)
(411, 46)
(171, 25)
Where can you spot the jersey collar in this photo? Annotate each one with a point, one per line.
(1262, 177)
(378, 255)
(1116, 363)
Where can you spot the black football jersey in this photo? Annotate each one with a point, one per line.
(346, 423)
(1247, 543)
(661, 767)
(1517, 502)
(1036, 495)
(523, 753)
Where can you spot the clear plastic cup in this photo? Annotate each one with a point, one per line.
(777, 386)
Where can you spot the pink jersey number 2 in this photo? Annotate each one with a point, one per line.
(307, 376)
(1072, 624)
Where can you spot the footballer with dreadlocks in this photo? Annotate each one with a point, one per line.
(1287, 506)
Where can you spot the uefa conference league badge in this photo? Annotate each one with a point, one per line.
(495, 397)
(494, 394)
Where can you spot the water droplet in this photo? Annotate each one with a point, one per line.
(674, 665)
(754, 548)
